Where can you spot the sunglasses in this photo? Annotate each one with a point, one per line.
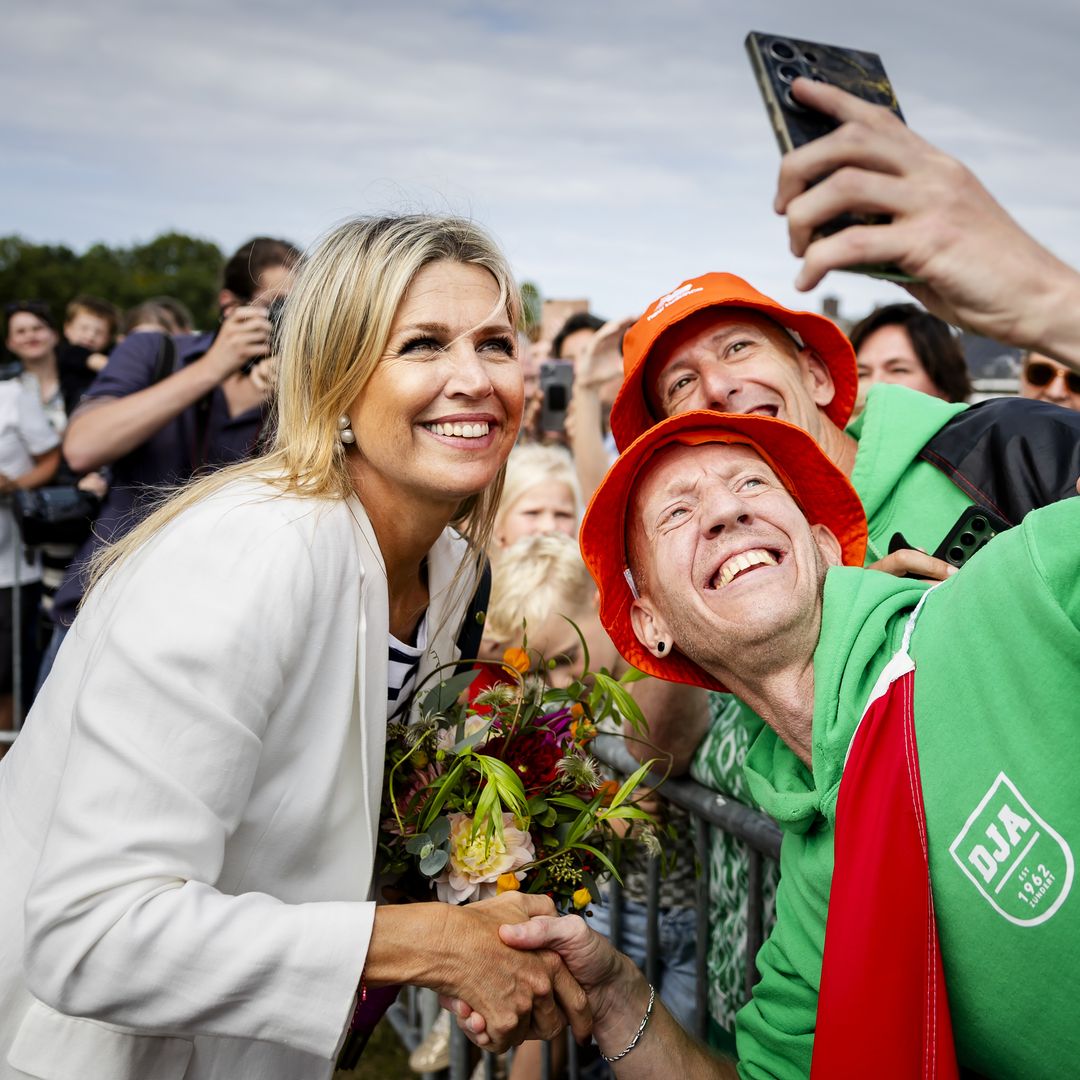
(1039, 373)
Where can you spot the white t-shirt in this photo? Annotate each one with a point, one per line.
(25, 432)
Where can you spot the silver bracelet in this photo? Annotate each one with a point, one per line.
(640, 1031)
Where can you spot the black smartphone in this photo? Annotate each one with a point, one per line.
(974, 529)
(556, 383)
(777, 61)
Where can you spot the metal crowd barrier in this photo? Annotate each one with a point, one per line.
(413, 1015)
(8, 737)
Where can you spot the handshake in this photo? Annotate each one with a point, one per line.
(591, 988)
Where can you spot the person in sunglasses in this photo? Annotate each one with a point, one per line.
(1043, 379)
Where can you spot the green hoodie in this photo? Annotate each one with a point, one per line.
(899, 492)
(997, 705)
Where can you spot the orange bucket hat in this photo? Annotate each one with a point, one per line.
(630, 414)
(817, 485)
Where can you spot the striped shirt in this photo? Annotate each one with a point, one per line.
(402, 668)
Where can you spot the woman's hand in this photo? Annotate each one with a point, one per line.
(610, 981)
(520, 995)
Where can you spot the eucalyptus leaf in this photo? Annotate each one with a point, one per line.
(416, 844)
(469, 741)
(434, 861)
(439, 831)
(444, 694)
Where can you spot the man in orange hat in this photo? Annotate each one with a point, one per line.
(917, 463)
(918, 754)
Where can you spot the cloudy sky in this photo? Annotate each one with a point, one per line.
(613, 148)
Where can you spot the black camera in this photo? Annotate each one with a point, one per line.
(273, 313)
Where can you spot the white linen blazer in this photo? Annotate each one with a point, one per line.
(188, 822)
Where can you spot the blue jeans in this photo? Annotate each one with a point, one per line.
(676, 943)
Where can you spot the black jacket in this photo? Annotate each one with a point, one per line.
(1010, 455)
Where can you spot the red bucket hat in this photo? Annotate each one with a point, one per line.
(817, 485)
(630, 414)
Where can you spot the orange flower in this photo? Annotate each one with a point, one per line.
(582, 731)
(582, 898)
(577, 710)
(517, 659)
(506, 883)
(608, 790)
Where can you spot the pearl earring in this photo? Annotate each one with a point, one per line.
(345, 430)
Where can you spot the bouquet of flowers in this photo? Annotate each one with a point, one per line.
(494, 789)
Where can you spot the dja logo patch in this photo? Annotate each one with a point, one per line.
(1022, 866)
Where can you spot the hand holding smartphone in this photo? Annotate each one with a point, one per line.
(556, 385)
(777, 62)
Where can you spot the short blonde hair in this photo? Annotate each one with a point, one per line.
(531, 465)
(336, 324)
(533, 579)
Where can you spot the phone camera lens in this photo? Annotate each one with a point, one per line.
(956, 555)
(977, 524)
(788, 72)
(967, 539)
(782, 50)
(810, 57)
(791, 103)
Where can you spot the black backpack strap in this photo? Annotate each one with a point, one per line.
(1010, 455)
(472, 625)
(165, 361)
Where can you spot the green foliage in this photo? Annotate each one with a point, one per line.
(531, 308)
(169, 265)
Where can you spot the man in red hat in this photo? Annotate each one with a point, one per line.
(918, 753)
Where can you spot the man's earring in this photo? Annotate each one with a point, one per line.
(661, 646)
(345, 430)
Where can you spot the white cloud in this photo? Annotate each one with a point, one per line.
(615, 148)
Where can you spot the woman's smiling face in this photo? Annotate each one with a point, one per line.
(439, 416)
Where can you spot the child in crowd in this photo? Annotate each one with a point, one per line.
(540, 495)
(90, 329)
(539, 586)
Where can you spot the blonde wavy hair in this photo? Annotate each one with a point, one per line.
(334, 331)
(533, 579)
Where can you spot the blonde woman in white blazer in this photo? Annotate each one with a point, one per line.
(188, 822)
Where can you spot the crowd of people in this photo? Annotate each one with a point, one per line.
(290, 514)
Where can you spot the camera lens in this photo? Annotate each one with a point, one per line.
(791, 103)
(788, 72)
(810, 57)
(782, 50)
(977, 524)
(967, 539)
(957, 555)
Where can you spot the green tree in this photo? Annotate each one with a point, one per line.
(531, 308)
(169, 265)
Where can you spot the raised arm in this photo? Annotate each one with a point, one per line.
(112, 423)
(979, 269)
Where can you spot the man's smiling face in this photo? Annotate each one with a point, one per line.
(728, 568)
(733, 360)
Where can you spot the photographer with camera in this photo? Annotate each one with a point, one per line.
(168, 407)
